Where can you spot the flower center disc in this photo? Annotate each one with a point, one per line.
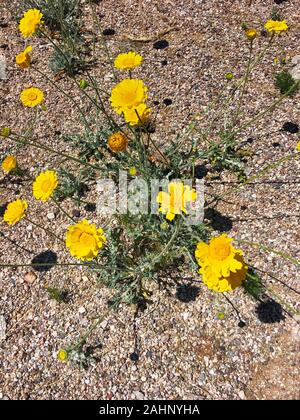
(32, 96)
(220, 251)
(87, 240)
(46, 185)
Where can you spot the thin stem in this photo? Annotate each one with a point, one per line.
(240, 100)
(270, 250)
(259, 174)
(35, 143)
(62, 210)
(66, 94)
(44, 228)
(270, 108)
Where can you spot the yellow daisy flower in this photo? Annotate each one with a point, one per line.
(9, 163)
(44, 185)
(298, 146)
(219, 283)
(220, 255)
(138, 115)
(117, 142)
(62, 355)
(84, 240)
(30, 22)
(174, 202)
(32, 97)
(128, 61)
(251, 34)
(23, 59)
(5, 131)
(132, 171)
(129, 93)
(15, 211)
(276, 26)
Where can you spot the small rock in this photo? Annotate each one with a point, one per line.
(2, 328)
(290, 127)
(2, 68)
(160, 45)
(296, 59)
(242, 395)
(139, 395)
(82, 310)
(30, 277)
(51, 216)
(295, 72)
(108, 32)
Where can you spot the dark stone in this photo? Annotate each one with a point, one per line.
(290, 127)
(250, 140)
(241, 324)
(200, 171)
(275, 144)
(168, 102)
(134, 357)
(164, 62)
(156, 103)
(161, 44)
(75, 213)
(91, 207)
(243, 207)
(109, 32)
(279, 1)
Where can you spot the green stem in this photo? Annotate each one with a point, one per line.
(38, 145)
(62, 210)
(270, 108)
(240, 101)
(259, 174)
(66, 94)
(270, 250)
(45, 229)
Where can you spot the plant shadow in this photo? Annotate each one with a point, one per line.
(218, 221)
(44, 261)
(187, 293)
(269, 311)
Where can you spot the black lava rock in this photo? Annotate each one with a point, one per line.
(164, 62)
(108, 32)
(168, 101)
(275, 144)
(134, 357)
(290, 127)
(75, 213)
(161, 44)
(242, 324)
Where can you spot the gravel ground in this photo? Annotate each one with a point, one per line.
(184, 350)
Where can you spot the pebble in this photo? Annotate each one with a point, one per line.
(2, 328)
(242, 395)
(82, 310)
(2, 68)
(51, 216)
(30, 277)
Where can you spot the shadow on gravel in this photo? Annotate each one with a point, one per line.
(2, 209)
(44, 261)
(269, 312)
(187, 293)
(218, 221)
